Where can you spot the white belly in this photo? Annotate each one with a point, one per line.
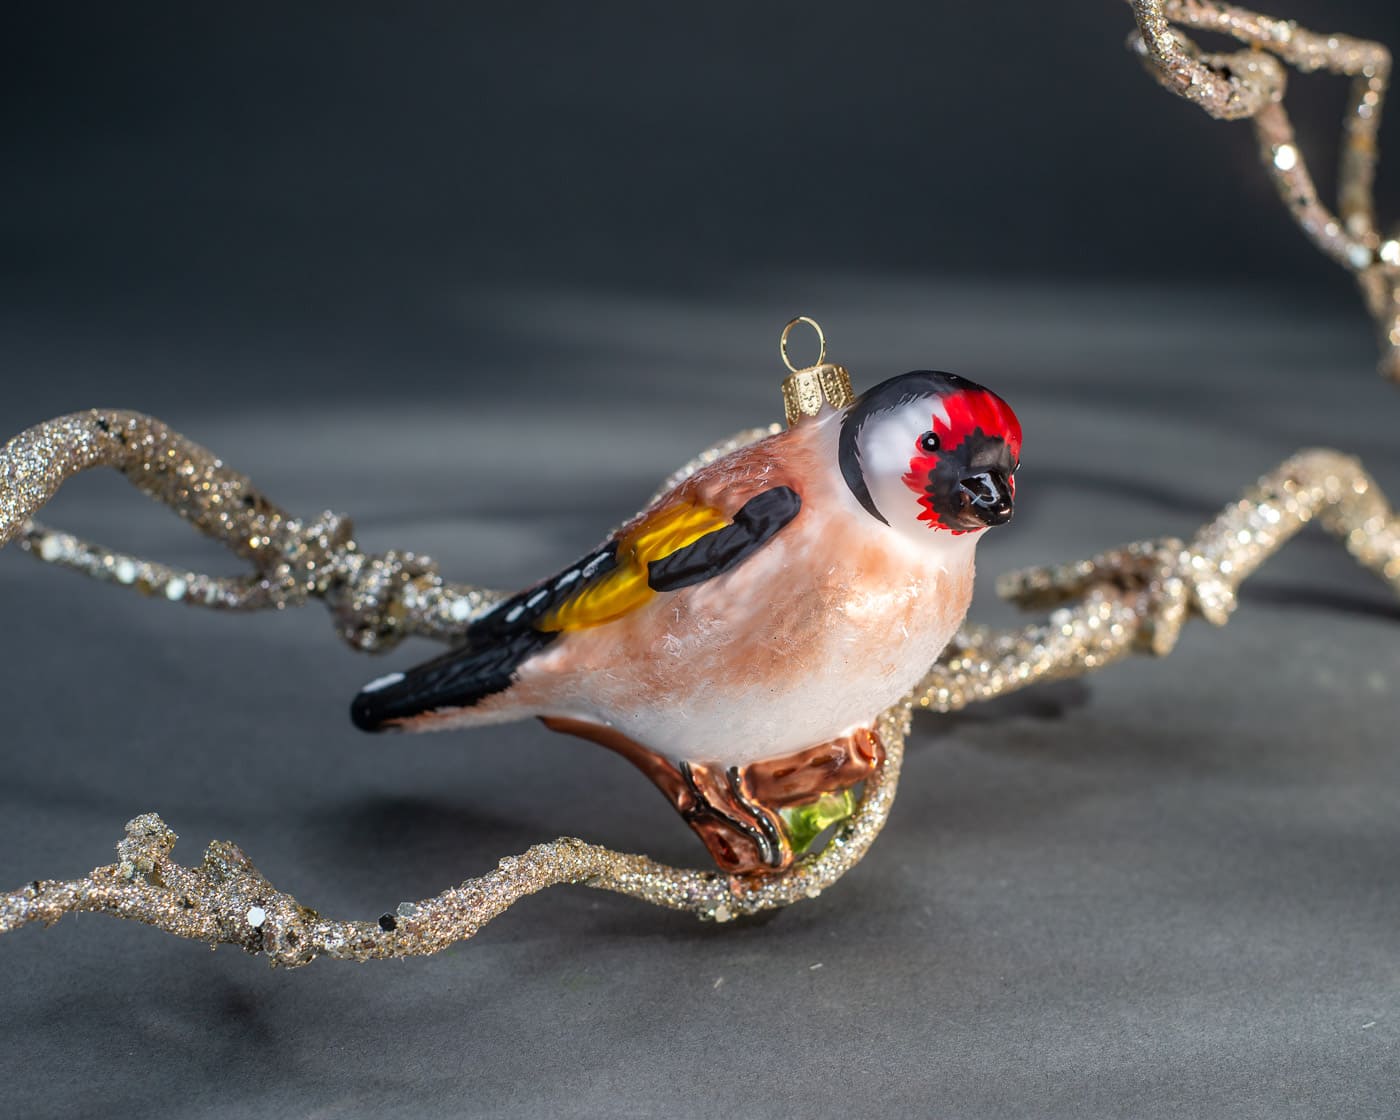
(738, 726)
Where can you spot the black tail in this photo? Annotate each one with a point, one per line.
(458, 678)
(496, 645)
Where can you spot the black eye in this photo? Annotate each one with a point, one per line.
(929, 442)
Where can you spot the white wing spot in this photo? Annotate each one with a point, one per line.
(382, 682)
(567, 578)
(594, 564)
(514, 613)
(537, 598)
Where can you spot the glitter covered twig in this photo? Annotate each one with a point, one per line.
(376, 600)
(1136, 599)
(227, 901)
(1251, 84)
(1132, 599)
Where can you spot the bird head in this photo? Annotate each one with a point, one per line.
(931, 453)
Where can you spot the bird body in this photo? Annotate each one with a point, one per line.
(774, 602)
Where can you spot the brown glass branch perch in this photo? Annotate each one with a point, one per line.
(1251, 84)
(1131, 599)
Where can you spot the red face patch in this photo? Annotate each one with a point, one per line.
(969, 411)
(979, 424)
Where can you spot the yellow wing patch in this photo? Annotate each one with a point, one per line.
(625, 587)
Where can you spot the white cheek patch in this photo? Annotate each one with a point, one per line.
(887, 444)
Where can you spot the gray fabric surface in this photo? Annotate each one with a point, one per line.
(1168, 890)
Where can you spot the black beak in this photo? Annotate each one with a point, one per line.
(988, 497)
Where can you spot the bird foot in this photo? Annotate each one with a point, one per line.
(755, 819)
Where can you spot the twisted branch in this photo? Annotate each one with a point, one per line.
(1250, 84)
(1137, 598)
(1134, 599)
(376, 600)
(227, 901)
(1131, 599)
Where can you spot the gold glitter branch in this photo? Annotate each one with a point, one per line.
(1250, 84)
(1134, 599)
(227, 901)
(1131, 599)
(376, 600)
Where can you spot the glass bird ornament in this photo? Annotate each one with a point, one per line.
(737, 639)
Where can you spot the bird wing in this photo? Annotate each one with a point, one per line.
(677, 544)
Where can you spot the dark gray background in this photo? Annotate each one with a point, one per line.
(480, 278)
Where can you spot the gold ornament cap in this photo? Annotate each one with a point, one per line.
(810, 391)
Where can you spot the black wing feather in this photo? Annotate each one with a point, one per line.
(715, 553)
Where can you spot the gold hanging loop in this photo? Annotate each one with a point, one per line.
(783, 341)
(812, 390)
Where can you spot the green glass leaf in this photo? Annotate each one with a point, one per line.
(806, 822)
